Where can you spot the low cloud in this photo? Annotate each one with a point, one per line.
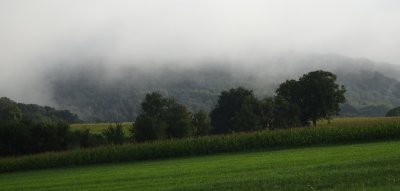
(38, 36)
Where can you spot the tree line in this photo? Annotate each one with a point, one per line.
(29, 128)
(301, 102)
(314, 96)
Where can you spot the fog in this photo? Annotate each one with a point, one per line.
(38, 36)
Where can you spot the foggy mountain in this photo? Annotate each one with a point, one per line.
(100, 92)
(99, 58)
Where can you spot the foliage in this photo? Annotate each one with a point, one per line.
(201, 123)
(33, 111)
(162, 118)
(9, 111)
(96, 98)
(148, 128)
(31, 137)
(233, 107)
(316, 93)
(285, 114)
(393, 112)
(267, 112)
(178, 120)
(205, 145)
(81, 137)
(369, 93)
(28, 129)
(114, 135)
(248, 118)
(12, 111)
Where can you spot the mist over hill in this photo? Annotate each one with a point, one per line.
(101, 58)
(101, 92)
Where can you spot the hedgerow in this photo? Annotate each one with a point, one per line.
(262, 140)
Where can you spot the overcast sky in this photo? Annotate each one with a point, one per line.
(39, 33)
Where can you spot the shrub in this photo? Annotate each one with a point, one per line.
(148, 128)
(114, 135)
(83, 139)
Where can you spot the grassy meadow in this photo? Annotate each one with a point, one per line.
(98, 128)
(358, 121)
(343, 154)
(369, 166)
(235, 142)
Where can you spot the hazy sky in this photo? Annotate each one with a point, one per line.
(39, 33)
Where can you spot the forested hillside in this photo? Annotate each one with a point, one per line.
(100, 93)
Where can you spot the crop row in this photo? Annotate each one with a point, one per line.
(271, 139)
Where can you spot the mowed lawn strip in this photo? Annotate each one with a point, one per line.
(369, 166)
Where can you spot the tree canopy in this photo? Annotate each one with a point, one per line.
(316, 93)
(162, 118)
(201, 123)
(28, 128)
(236, 110)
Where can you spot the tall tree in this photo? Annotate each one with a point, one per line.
(201, 123)
(161, 118)
(249, 116)
(232, 105)
(179, 121)
(285, 114)
(316, 93)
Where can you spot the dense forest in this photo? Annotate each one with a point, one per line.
(99, 93)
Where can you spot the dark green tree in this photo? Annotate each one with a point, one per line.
(114, 135)
(79, 137)
(267, 112)
(248, 118)
(201, 123)
(150, 124)
(178, 120)
(30, 131)
(149, 128)
(9, 111)
(232, 107)
(285, 114)
(161, 118)
(316, 93)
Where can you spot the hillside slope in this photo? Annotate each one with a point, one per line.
(99, 93)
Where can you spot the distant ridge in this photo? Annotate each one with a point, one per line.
(98, 93)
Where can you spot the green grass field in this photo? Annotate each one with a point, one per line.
(371, 166)
(336, 122)
(359, 121)
(97, 128)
